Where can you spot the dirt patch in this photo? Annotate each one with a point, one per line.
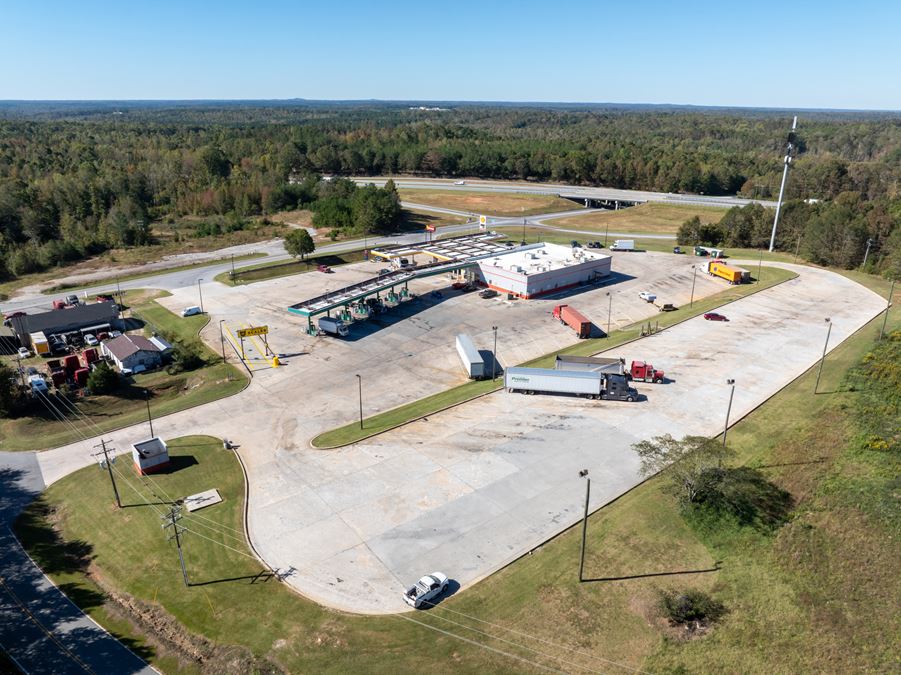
(489, 203)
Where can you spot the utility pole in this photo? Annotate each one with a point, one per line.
(200, 293)
(728, 410)
(173, 517)
(107, 463)
(798, 249)
(360, 382)
(523, 242)
(759, 266)
(606, 230)
(228, 372)
(789, 149)
(119, 292)
(609, 311)
(888, 304)
(149, 418)
(694, 277)
(823, 358)
(233, 268)
(494, 355)
(584, 474)
(866, 253)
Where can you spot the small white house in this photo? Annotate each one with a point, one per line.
(128, 352)
(150, 456)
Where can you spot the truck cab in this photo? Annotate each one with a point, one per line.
(616, 388)
(645, 372)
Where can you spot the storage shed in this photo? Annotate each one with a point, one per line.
(150, 456)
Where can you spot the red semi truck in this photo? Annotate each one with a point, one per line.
(645, 372)
(573, 319)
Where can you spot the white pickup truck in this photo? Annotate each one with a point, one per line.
(647, 296)
(426, 589)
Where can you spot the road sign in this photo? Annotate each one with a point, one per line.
(247, 332)
(483, 220)
(429, 228)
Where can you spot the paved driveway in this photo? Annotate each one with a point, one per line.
(471, 489)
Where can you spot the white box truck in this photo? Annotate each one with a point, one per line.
(623, 245)
(333, 326)
(472, 361)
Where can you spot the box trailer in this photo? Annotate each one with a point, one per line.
(574, 319)
(580, 383)
(333, 326)
(590, 364)
(39, 344)
(623, 245)
(734, 275)
(473, 363)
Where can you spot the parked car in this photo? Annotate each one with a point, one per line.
(191, 311)
(324, 268)
(668, 307)
(24, 353)
(72, 300)
(575, 244)
(647, 296)
(713, 316)
(488, 293)
(115, 333)
(103, 297)
(90, 340)
(426, 590)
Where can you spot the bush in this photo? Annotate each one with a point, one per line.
(691, 609)
(186, 355)
(103, 379)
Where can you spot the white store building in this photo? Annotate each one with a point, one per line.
(543, 268)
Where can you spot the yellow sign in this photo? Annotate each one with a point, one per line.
(247, 332)
(483, 220)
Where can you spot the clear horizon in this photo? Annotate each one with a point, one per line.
(819, 56)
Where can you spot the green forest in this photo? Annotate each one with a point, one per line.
(79, 178)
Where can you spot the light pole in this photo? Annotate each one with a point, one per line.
(494, 355)
(759, 266)
(200, 293)
(584, 474)
(823, 358)
(360, 383)
(149, 418)
(609, 311)
(729, 409)
(228, 373)
(888, 304)
(694, 277)
(866, 253)
(606, 230)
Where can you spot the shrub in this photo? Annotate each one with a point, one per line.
(103, 379)
(690, 609)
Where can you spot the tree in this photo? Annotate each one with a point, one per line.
(10, 395)
(299, 243)
(689, 463)
(103, 379)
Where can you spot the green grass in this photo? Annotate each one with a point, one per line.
(152, 273)
(253, 273)
(352, 433)
(649, 218)
(170, 393)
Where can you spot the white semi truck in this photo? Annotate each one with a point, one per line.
(589, 384)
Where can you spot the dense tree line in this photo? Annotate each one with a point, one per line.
(78, 178)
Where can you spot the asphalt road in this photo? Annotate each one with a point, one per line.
(40, 628)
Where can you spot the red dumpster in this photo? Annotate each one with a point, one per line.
(81, 377)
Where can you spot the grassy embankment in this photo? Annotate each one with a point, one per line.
(351, 433)
(648, 218)
(489, 203)
(169, 393)
(813, 593)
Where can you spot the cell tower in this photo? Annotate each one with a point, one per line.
(789, 151)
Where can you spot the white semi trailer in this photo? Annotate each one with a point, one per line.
(580, 383)
(472, 361)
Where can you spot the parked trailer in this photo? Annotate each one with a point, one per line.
(472, 361)
(590, 364)
(734, 275)
(623, 245)
(574, 319)
(40, 344)
(333, 326)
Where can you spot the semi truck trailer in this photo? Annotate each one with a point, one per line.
(333, 326)
(590, 364)
(623, 245)
(579, 383)
(473, 363)
(574, 319)
(732, 274)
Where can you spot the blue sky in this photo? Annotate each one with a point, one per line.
(777, 54)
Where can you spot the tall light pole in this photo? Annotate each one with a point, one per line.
(694, 277)
(789, 149)
(866, 253)
(729, 409)
(759, 266)
(823, 358)
(494, 355)
(609, 311)
(360, 383)
(584, 474)
(200, 293)
(149, 418)
(228, 373)
(888, 304)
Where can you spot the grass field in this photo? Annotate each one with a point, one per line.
(812, 596)
(418, 218)
(169, 393)
(352, 433)
(489, 203)
(648, 218)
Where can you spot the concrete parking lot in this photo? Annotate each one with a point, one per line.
(470, 489)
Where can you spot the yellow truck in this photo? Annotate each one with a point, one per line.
(732, 274)
(39, 344)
